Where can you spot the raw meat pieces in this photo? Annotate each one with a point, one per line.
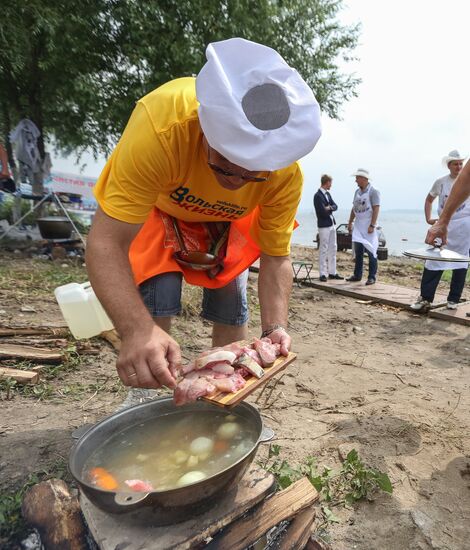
(224, 369)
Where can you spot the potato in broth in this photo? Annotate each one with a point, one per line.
(170, 451)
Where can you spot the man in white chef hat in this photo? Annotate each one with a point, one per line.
(458, 238)
(203, 182)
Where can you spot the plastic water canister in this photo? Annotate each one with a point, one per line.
(82, 310)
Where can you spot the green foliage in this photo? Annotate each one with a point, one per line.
(77, 67)
(353, 482)
(12, 525)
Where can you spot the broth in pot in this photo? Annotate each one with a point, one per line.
(170, 451)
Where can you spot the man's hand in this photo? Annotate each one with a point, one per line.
(370, 229)
(280, 336)
(146, 359)
(437, 231)
(350, 227)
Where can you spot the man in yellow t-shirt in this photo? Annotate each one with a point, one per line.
(198, 155)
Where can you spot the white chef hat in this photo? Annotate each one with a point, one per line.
(254, 109)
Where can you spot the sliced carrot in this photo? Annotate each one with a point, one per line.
(220, 446)
(103, 479)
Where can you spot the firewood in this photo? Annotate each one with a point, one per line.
(281, 506)
(31, 353)
(314, 544)
(21, 331)
(55, 513)
(39, 368)
(297, 534)
(21, 376)
(112, 337)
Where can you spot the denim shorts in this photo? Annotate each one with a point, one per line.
(226, 305)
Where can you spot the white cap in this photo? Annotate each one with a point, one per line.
(453, 155)
(361, 172)
(254, 109)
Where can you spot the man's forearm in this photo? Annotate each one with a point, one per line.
(274, 289)
(375, 214)
(459, 194)
(428, 208)
(111, 277)
(107, 259)
(352, 215)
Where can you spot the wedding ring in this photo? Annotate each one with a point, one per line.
(133, 374)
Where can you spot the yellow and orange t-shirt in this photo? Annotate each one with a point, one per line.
(160, 162)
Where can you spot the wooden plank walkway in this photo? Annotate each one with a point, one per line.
(460, 315)
(392, 295)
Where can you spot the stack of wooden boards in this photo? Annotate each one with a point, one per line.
(41, 346)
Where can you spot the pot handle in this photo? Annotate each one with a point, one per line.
(129, 499)
(266, 434)
(82, 430)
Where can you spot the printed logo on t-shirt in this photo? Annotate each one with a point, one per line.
(444, 200)
(192, 203)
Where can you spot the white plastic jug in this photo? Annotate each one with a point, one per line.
(82, 310)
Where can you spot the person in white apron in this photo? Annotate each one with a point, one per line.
(365, 238)
(458, 239)
(460, 193)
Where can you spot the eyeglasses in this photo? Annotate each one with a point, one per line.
(228, 174)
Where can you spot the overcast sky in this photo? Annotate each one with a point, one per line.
(411, 109)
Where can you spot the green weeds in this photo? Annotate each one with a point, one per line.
(353, 482)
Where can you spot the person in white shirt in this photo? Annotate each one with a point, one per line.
(365, 237)
(324, 208)
(458, 239)
(459, 194)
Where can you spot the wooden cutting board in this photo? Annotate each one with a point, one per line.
(252, 383)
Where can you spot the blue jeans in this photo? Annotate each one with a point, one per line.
(359, 249)
(227, 305)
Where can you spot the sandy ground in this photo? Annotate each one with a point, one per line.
(393, 385)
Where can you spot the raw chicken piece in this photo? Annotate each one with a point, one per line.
(218, 356)
(222, 368)
(232, 383)
(235, 348)
(139, 485)
(267, 351)
(192, 387)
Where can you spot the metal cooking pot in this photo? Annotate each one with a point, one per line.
(170, 506)
(54, 227)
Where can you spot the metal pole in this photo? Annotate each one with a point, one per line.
(59, 202)
(25, 216)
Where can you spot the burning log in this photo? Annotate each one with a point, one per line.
(55, 513)
(281, 506)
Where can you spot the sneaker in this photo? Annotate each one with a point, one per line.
(323, 278)
(370, 282)
(452, 305)
(353, 279)
(336, 276)
(420, 305)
